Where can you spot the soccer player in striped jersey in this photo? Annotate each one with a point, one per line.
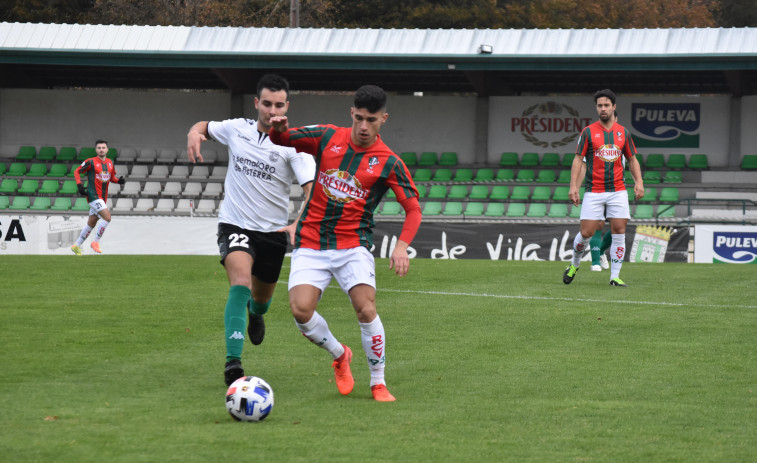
(603, 145)
(252, 222)
(100, 172)
(334, 236)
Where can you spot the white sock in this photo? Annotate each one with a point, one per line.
(84, 234)
(617, 252)
(101, 225)
(373, 338)
(580, 244)
(317, 331)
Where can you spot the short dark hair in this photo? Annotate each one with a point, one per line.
(607, 93)
(274, 83)
(370, 97)
(100, 141)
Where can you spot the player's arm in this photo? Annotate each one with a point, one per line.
(197, 134)
(77, 176)
(291, 229)
(577, 173)
(304, 139)
(115, 179)
(400, 260)
(635, 168)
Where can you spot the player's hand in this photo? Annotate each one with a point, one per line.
(280, 123)
(121, 180)
(290, 230)
(638, 190)
(82, 190)
(574, 195)
(194, 140)
(400, 261)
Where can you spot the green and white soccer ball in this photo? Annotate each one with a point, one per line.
(249, 399)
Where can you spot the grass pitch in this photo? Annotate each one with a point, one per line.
(120, 359)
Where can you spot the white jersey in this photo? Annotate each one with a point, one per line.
(259, 176)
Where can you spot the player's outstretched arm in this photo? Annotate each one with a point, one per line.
(197, 134)
(280, 123)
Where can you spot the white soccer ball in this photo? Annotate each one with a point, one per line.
(249, 399)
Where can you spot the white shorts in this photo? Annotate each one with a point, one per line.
(615, 203)
(96, 206)
(350, 267)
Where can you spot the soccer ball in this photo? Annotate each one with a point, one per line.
(249, 399)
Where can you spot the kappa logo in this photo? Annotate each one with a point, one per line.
(236, 335)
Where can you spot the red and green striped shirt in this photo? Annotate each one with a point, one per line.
(99, 174)
(604, 150)
(350, 182)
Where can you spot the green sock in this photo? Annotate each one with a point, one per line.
(258, 308)
(235, 321)
(606, 242)
(594, 247)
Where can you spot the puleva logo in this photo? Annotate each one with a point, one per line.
(666, 125)
(735, 247)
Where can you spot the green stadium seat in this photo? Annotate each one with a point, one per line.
(537, 210)
(9, 186)
(631, 194)
(69, 188)
(672, 177)
(458, 192)
(499, 193)
(391, 208)
(666, 210)
(529, 160)
(669, 195)
(505, 175)
(495, 210)
(448, 158)
(26, 153)
(57, 170)
(442, 175)
(484, 175)
(650, 195)
(80, 204)
(2, 168)
(453, 208)
(427, 158)
(410, 158)
(550, 160)
(61, 204)
(4, 202)
(72, 169)
(644, 211)
(422, 190)
(628, 177)
(48, 187)
(47, 153)
(676, 161)
(86, 153)
(640, 158)
(422, 175)
(17, 169)
(437, 192)
(66, 154)
(432, 208)
(698, 162)
(749, 162)
(558, 210)
(390, 194)
(112, 154)
(575, 212)
(41, 203)
(567, 159)
(516, 210)
(509, 159)
(479, 192)
(541, 193)
(525, 175)
(563, 177)
(520, 193)
(651, 177)
(37, 170)
(474, 209)
(28, 186)
(20, 203)
(463, 175)
(561, 194)
(655, 161)
(546, 176)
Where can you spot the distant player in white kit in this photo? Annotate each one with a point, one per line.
(252, 222)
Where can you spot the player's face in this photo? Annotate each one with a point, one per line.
(270, 104)
(605, 109)
(366, 125)
(101, 149)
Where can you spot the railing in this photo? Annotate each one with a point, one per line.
(727, 202)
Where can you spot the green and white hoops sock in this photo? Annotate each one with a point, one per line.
(235, 321)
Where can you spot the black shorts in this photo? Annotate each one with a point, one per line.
(267, 249)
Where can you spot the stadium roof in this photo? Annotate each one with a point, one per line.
(511, 62)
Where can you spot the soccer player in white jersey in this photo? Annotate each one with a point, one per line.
(252, 222)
